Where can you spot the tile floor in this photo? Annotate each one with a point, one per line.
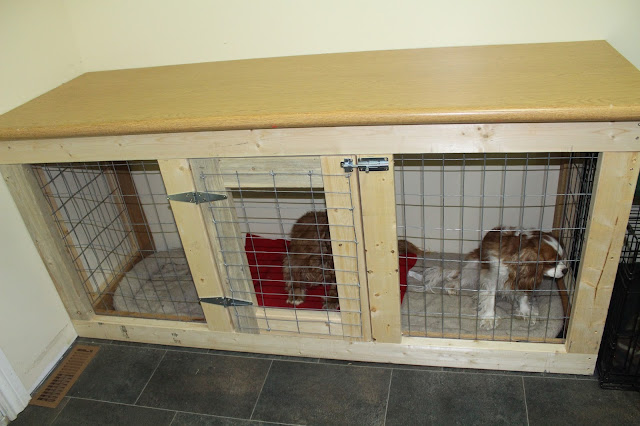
(136, 384)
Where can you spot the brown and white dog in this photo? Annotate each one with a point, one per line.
(309, 260)
(507, 259)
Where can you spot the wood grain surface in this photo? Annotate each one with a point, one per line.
(551, 82)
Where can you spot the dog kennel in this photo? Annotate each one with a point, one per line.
(172, 221)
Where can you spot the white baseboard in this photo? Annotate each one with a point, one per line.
(52, 355)
(13, 395)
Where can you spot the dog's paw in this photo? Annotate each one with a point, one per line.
(331, 305)
(295, 300)
(530, 316)
(451, 289)
(489, 323)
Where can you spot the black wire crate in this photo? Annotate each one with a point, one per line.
(619, 357)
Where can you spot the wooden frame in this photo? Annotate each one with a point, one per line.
(373, 103)
(577, 356)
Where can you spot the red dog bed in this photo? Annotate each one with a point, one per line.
(265, 262)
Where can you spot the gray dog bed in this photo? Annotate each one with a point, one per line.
(432, 311)
(159, 284)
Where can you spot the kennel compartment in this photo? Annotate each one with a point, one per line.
(447, 203)
(120, 233)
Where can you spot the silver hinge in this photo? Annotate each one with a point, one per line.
(370, 164)
(225, 301)
(196, 197)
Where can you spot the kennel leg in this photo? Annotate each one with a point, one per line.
(228, 239)
(178, 178)
(30, 201)
(378, 201)
(616, 176)
(343, 208)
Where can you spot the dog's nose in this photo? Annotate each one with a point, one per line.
(564, 271)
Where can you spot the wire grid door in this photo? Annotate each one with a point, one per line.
(116, 223)
(503, 235)
(286, 242)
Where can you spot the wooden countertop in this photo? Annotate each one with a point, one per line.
(552, 82)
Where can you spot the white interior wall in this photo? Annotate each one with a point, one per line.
(37, 53)
(47, 42)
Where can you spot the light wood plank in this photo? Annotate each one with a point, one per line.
(616, 177)
(35, 212)
(436, 138)
(378, 203)
(256, 173)
(227, 242)
(288, 322)
(177, 177)
(342, 195)
(533, 357)
(579, 81)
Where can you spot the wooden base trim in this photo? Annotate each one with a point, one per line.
(532, 357)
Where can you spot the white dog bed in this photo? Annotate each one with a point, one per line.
(159, 284)
(434, 312)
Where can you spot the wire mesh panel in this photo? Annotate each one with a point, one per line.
(502, 234)
(619, 357)
(116, 223)
(280, 246)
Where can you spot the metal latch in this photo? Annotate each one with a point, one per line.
(225, 301)
(370, 164)
(196, 197)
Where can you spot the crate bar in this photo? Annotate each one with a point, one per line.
(616, 176)
(177, 177)
(375, 140)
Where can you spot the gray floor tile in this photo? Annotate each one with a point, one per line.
(267, 356)
(34, 415)
(378, 365)
(158, 347)
(188, 419)
(426, 397)
(305, 393)
(117, 374)
(97, 413)
(206, 384)
(579, 402)
(92, 341)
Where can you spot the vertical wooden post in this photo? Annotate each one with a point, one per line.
(178, 178)
(141, 231)
(378, 202)
(233, 266)
(342, 197)
(616, 176)
(35, 212)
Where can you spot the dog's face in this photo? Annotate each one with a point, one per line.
(551, 256)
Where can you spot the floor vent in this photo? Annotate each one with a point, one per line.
(61, 380)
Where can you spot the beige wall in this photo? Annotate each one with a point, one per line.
(126, 34)
(44, 43)
(37, 53)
